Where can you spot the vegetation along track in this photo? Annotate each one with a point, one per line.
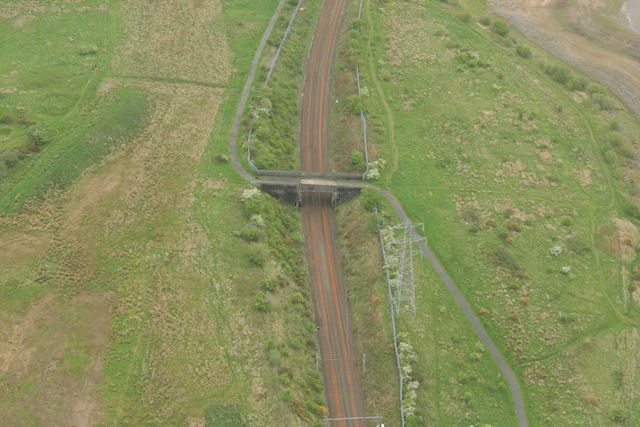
(345, 397)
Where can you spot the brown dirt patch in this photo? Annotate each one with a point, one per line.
(22, 248)
(50, 360)
(173, 40)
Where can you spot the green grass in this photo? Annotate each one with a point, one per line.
(117, 120)
(466, 127)
(441, 335)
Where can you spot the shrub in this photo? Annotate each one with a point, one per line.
(611, 157)
(512, 226)
(556, 250)
(271, 344)
(567, 221)
(221, 158)
(269, 285)
(596, 88)
(508, 213)
(618, 174)
(615, 139)
(357, 160)
(627, 151)
(465, 17)
(31, 146)
(514, 286)
(523, 301)
(7, 118)
(631, 208)
(286, 394)
(88, 50)
(499, 27)
(565, 270)
(614, 123)
(619, 414)
(251, 235)
(491, 223)
(503, 235)
(485, 20)
(222, 414)
(257, 254)
(284, 379)
(9, 158)
(523, 51)
(371, 198)
(475, 356)
(507, 43)
(260, 303)
(484, 311)
(508, 241)
(474, 229)
(274, 357)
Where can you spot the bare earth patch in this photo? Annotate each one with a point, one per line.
(173, 40)
(50, 360)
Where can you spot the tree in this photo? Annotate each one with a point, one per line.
(611, 157)
(615, 139)
(523, 51)
(500, 27)
(38, 136)
(371, 198)
(357, 159)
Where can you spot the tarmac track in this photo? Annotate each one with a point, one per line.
(343, 387)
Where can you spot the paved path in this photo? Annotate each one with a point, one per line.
(245, 95)
(513, 383)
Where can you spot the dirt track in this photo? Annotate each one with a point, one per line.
(345, 397)
(535, 19)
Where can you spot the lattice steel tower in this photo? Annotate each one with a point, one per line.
(403, 249)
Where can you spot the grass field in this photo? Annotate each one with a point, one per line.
(503, 163)
(457, 380)
(133, 292)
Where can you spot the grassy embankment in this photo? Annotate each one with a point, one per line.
(272, 111)
(129, 279)
(502, 162)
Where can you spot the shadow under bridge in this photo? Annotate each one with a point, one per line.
(292, 191)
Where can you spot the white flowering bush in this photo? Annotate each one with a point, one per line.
(247, 194)
(264, 108)
(407, 356)
(556, 250)
(565, 270)
(257, 220)
(373, 174)
(497, 88)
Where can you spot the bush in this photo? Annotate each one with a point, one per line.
(614, 123)
(512, 226)
(269, 285)
(286, 394)
(611, 157)
(371, 198)
(499, 27)
(221, 158)
(260, 303)
(251, 235)
(257, 254)
(615, 139)
(508, 42)
(357, 160)
(503, 235)
(619, 414)
(7, 118)
(631, 208)
(523, 51)
(465, 17)
(567, 221)
(596, 88)
(627, 151)
(10, 159)
(485, 20)
(274, 357)
(88, 50)
(222, 414)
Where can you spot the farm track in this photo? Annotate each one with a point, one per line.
(343, 387)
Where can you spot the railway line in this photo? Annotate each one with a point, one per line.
(343, 387)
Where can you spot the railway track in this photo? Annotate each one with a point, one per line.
(343, 387)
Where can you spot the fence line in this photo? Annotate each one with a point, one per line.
(282, 42)
(273, 65)
(393, 322)
(362, 119)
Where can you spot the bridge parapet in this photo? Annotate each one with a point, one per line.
(292, 191)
